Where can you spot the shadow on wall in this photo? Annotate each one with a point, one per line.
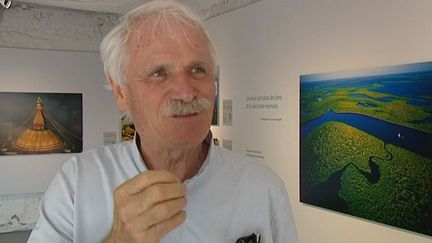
(15, 237)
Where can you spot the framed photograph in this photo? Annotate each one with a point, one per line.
(127, 129)
(227, 105)
(35, 123)
(366, 144)
(215, 118)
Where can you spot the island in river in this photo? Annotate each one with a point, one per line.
(366, 144)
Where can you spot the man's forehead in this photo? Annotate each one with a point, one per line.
(154, 45)
(164, 31)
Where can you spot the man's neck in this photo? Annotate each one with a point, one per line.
(182, 162)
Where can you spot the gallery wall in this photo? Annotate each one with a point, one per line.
(31, 70)
(265, 47)
(35, 26)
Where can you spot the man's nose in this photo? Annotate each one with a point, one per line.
(183, 88)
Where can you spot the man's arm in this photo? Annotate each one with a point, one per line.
(55, 222)
(282, 224)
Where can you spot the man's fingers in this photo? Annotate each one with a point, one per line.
(153, 195)
(149, 205)
(148, 178)
(160, 193)
(159, 230)
(161, 212)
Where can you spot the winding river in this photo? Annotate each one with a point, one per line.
(411, 139)
(326, 194)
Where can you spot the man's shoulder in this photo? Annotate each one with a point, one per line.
(109, 150)
(250, 168)
(104, 155)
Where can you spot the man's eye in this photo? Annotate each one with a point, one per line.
(159, 73)
(198, 70)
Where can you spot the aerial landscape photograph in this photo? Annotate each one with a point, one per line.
(366, 144)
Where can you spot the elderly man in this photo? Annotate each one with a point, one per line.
(170, 184)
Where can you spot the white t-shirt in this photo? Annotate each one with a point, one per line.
(232, 196)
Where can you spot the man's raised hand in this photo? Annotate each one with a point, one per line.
(147, 207)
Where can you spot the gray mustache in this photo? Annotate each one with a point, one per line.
(183, 108)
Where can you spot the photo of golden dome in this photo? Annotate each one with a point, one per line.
(40, 131)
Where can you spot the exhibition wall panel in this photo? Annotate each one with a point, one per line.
(263, 50)
(42, 71)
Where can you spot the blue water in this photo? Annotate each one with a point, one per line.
(406, 84)
(366, 105)
(360, 96)
(412, 100)
(410, 84)
(386, 99)
(415, 87)
(404, 137)
(383, 99)
(420, 101)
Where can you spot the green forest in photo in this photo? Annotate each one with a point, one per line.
(366, 144)
(398, 111)
(402, 196)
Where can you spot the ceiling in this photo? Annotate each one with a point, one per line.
(122, 6)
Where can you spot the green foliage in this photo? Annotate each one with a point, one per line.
(403, 194)
(398, 111)
(402, 197)
(333, 145)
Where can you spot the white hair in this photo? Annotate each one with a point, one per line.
(113, 50)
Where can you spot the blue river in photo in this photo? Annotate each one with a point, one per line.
(395, 92)
(404, 137)
(414, 86)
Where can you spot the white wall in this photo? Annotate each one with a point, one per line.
(266, 46)
(29, 70)
(33, 26)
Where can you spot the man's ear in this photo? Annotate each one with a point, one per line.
(118, 94)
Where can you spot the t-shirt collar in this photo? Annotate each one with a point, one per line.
(141, 165)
